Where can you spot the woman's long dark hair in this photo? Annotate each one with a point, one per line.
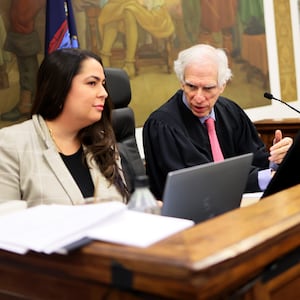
(54, 81)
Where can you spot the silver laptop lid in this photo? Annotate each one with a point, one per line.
(204, 191)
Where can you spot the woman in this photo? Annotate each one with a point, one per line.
(67, 151)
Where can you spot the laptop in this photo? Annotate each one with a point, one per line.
(204, 191)
(288, 172)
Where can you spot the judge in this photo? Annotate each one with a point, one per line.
(175, 136)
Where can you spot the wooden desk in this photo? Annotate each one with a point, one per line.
(267, 127)
(232, 255)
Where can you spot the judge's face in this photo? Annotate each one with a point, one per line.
(201, 88)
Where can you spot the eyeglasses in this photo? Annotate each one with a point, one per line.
(206, 90)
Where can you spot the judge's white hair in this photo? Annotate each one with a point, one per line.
(202, 55)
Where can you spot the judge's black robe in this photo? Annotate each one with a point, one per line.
(174, 138)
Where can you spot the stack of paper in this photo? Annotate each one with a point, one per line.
(51, 228)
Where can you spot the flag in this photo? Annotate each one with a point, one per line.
(60, 26)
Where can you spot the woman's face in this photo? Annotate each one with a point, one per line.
(201, 88)
(85, 101)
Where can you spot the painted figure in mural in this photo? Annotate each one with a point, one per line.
(218, 19)
(4, 56)
(223, 22)
(250, 20)
(125, 16)
(24, 42)
(191, 17)
(251, 15)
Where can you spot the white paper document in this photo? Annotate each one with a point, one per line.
(137, 229)
(250, 198)
(49, 228)
(256, 195)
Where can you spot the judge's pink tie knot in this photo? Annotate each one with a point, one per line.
(214, 143)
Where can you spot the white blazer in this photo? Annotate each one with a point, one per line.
(31, 169)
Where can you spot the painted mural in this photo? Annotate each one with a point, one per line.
(141, 36)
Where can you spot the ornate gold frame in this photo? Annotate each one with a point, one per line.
(285, 48)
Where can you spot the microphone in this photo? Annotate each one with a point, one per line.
(270, 96)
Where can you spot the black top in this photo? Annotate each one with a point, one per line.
(287, 174)
(174, 138)
(80, 172)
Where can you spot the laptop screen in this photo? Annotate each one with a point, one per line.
(204, 191)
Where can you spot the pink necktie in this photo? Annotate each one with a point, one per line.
(214, 143)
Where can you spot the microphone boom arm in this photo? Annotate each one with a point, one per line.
(288, 105)
(270, 97)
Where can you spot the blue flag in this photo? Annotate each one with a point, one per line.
(60, 26)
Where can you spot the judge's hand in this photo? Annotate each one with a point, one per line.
(160, 203)
(280, 147)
